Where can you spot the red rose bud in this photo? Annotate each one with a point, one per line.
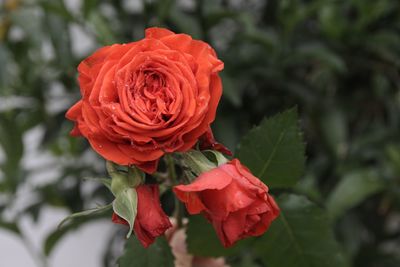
(151, 221)
(232, 199)
(143, 99)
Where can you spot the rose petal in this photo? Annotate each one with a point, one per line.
(157, 33)
(233, 227)
(229, 199)
(217, 179)
(110, 151)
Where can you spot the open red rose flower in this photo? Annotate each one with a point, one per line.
(151, 221)
(143, 99)
(232, 199)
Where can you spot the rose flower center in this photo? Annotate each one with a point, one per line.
(150, 96)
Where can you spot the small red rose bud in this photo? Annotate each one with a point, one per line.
(151, 221)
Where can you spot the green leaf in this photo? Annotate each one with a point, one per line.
(300, 237)
(61, 43)
(156, 255)
(88, 6)
(392, 153)
(232, 90)
(203, 241)
(11, 143)
(85, 213)
(101, 28)
(125, 205)
(352, 189)
(334, 131)
(320, 53)
(216, 16)
(274, 151)
(58, 8)
(186, 22)
(163, 9)
(13, 227)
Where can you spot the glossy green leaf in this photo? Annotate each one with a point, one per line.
(274, 151)
(157, 254)
(352, 189)
(301, 236)
(125, 205)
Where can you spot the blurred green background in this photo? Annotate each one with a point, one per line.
(337, 61)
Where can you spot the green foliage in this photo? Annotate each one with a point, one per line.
(12, 227)
(337, 61)
(274, 151)
(157, 254)
(301, 237)
(354, 188)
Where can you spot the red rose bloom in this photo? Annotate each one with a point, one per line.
(147, 98)
(232, 199)
(151, 221)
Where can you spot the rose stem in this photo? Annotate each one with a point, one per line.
(174, 180)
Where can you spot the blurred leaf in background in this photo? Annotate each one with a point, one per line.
(337, 61)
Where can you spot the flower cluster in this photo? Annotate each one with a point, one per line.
(156, 98)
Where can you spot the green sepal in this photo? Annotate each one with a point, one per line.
(219, 158)
(135, 176)
(121, 180)
(197, 162)
(105, 181)
(85, 213)
(125, 206)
